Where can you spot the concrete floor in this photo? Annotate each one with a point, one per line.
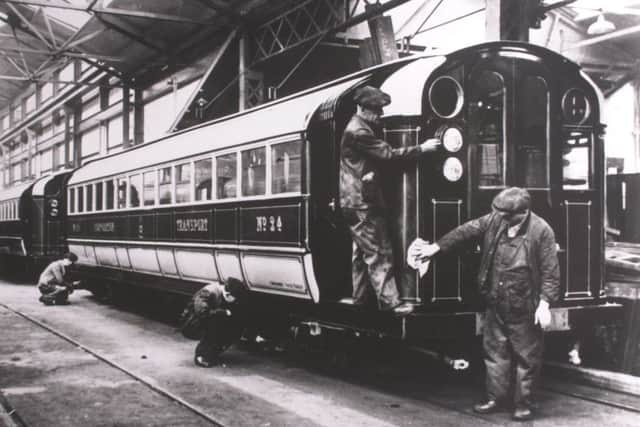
(51, 382)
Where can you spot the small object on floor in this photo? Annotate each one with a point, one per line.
(522, 413)
(203, 362)
(487, 407)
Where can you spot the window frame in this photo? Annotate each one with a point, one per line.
(267, 145)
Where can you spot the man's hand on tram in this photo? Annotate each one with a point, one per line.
(430, 144)
(543, 314)
(420, 251)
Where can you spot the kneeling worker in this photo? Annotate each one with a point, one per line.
(54, 284)
(208, 317)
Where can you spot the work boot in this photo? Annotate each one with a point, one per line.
(46, 301)
(486, 407)
(522, 413)
(402, 309)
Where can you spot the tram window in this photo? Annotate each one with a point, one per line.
(72, 200)
(99, 195)
(226, 169)
(202, 179)
(135, 188)
(183, 183)
(285, 167)
(109, 190)
(122, 193)
(531, 142)
(89, 197)
(576, 155)
(80, 199)
(486, 123)
(164, 185)
(149, 190)
(253, 172)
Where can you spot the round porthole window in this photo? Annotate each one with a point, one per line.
(575, 106)
(446, 97)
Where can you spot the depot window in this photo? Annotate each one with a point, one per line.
(202, 179)
(253, 172)
(226, 169)
(286, 173)
(149, 190)
(164, 185)
(183, 183)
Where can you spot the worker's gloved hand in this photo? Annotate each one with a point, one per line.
(543, 314)
(430, 144)
(414, 251)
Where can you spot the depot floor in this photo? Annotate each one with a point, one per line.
(49, 381)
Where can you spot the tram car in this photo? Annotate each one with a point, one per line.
(32, 224)
(254, 195)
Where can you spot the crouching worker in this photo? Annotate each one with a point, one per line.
(214, 316)
(54, 282)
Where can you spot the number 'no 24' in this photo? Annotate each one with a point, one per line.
(268, 223)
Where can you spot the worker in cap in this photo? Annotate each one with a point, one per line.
(518, 278)
(363, 155)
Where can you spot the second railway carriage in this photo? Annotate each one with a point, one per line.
(255, 195)
(32, 223)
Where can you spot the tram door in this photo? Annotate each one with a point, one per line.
(515, 142)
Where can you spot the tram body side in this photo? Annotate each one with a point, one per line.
(32, 223)
(269, 214)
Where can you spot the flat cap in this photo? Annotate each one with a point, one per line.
(371, 97)
(512, 200)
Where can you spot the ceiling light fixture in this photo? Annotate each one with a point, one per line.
(601, 26)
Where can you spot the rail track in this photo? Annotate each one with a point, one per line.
(201, 412)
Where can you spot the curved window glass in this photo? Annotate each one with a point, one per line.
(487, 100)
(532, 138)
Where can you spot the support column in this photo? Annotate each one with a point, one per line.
(511, 19)
(76, 136)
(138, 117)
(126, 106)
(635, 167)
(242, 71)
(68, 135)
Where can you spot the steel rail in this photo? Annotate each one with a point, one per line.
(138, 377)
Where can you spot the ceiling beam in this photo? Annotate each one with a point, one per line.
(47, 23)
(222, 8)
(606, 37)
(33, 29)
(150, 15)
(130, 32)
(69, 54)
(115, 11)
(59, 4)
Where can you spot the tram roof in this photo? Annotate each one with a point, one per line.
(38, 187)
(15, 191)
(284, 117)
